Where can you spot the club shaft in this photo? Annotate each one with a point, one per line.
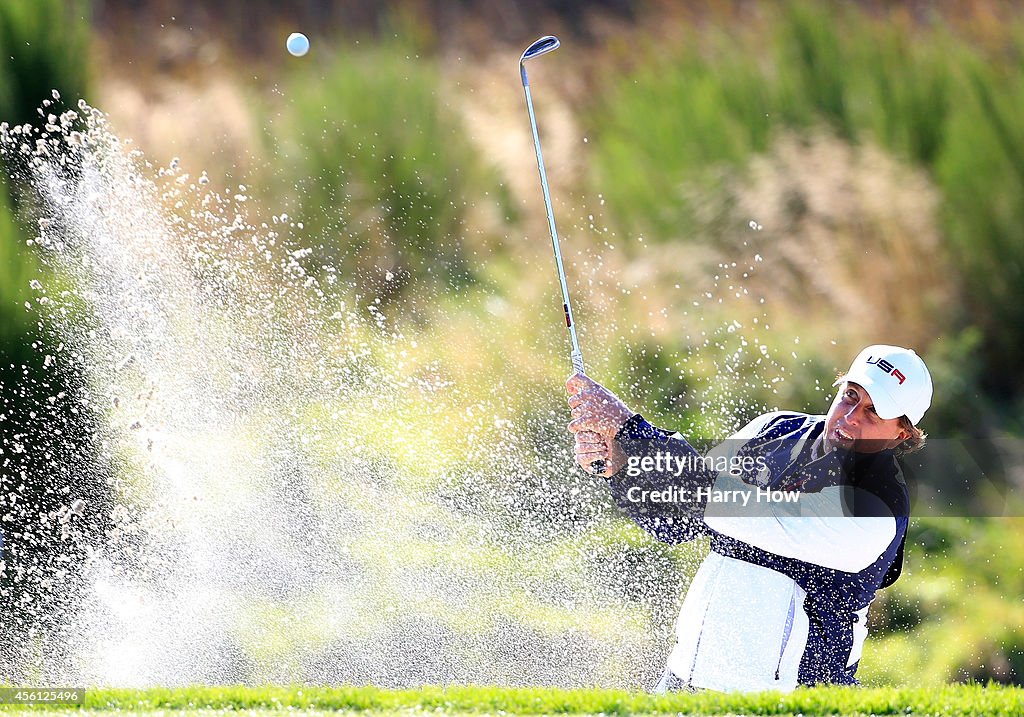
(577, 355)
(597, 467)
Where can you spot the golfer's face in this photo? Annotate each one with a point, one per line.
(853, 424)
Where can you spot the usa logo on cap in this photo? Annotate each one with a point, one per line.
(896, 379)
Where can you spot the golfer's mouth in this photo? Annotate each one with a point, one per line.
(842, 436)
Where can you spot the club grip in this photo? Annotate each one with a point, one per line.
(577, 363)
(598, 467)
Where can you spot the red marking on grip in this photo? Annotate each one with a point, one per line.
(565, 308)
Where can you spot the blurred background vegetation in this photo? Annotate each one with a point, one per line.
(748, 193)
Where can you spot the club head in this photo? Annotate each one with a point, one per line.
(539, 47)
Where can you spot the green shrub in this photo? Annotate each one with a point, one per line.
(43, 44)
(380, 165)
(16, 268)
(954, 614)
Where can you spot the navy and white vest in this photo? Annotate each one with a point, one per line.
(833, 596)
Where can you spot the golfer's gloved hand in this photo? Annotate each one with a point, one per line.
(597, 415)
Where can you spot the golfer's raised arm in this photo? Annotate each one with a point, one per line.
(597, 416)
(606, 428)
(599, 413)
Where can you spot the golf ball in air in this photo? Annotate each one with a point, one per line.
(298, 44)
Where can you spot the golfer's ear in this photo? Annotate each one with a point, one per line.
(901, 436)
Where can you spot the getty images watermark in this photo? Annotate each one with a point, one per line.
(666, 464)
(950, 477)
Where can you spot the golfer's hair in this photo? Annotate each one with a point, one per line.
(914, 442)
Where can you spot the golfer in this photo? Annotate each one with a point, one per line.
(782, 598)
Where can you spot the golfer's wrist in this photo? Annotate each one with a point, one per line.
(617, 461)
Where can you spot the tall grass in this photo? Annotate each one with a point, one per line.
(721, 94)
(981, 171)
(376, 156)
(687, 120)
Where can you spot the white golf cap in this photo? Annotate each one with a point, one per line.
(896, 378)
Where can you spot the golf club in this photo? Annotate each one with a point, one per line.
(540, 47)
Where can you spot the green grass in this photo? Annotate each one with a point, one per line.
(952, 700)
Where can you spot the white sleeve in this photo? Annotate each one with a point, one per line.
(813, 528)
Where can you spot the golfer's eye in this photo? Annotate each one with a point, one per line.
(851, 394)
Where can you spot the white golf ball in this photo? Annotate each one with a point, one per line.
(298, 44)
